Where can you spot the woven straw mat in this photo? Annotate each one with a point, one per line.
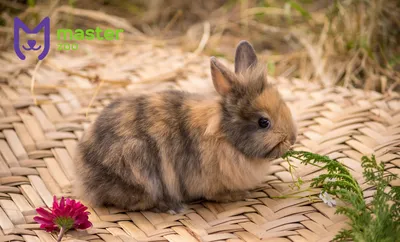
(37, 144)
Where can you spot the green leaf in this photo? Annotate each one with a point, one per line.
(300, 9)
(31, 3)
(271, 68)
(72, 3)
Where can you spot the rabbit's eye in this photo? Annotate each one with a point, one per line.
(264, 123)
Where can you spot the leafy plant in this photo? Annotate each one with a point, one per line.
(296, 6)
(377, 221)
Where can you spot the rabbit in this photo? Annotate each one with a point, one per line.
(160, 151)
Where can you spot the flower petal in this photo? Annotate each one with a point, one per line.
(81, 218)
(62, 203)
(322, 197)
(55, 203)
(43, 221)
(85, 225)
(79, 211)
(71, 202)
(45, 214)
(49, 228)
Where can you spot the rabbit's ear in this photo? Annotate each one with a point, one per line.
(222, 77)
(245, 57)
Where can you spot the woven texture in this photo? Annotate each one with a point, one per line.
(37, 144)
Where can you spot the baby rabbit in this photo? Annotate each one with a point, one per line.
(160, 150)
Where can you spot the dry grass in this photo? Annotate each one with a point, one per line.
(61, 15)
(348, 43)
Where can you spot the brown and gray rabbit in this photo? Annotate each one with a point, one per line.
(161, 150)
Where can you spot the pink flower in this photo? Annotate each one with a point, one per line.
(64, 215)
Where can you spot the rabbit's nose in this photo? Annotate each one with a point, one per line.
(293, 139)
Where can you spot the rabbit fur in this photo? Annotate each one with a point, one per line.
(159, 151)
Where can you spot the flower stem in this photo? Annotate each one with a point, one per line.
(61, 234)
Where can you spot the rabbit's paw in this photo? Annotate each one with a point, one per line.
(175, 209)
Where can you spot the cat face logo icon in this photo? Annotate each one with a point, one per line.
(31, 44)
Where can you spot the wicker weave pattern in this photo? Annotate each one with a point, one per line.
(37, 145)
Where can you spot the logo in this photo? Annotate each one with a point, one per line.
(31, 44)
(66, 38)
